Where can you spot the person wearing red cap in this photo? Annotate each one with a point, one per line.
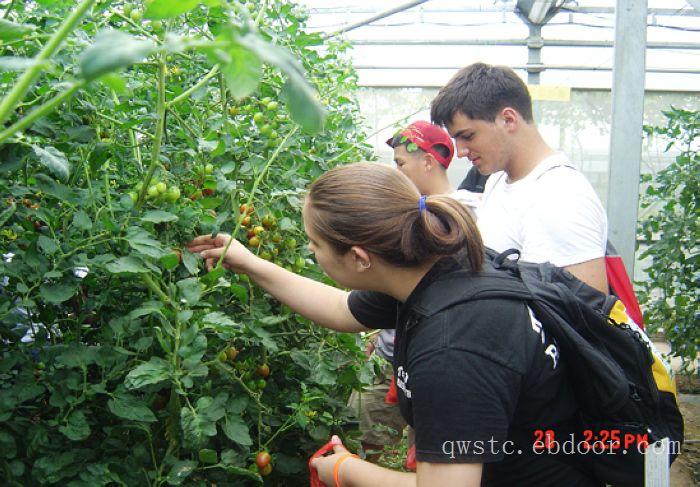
(423, 151)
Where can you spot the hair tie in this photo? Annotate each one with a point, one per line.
(421, 205)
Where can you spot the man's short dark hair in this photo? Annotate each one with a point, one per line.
(399, 139)
(480, 91)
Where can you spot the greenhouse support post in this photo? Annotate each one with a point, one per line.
(626, 128)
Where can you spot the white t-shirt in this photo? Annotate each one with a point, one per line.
(468, 198)
(551, 215)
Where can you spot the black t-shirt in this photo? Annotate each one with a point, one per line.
(469, 377)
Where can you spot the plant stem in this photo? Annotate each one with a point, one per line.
(182, 96)
(9, 9)
(25, 82)
(261, 13)
(158, 137)
(156, 289)
(255, 187)
(40, 111)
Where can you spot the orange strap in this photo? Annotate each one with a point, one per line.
(336, 467)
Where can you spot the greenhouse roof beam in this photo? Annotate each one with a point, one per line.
(513, 42)
(379, 16)
(558, 67)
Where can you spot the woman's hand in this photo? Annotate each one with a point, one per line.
(237, 257)
(325, 465)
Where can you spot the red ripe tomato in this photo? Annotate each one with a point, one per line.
(263, 370)
(263, 460)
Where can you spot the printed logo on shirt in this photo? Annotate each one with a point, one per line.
(551, 351)
(402, 381)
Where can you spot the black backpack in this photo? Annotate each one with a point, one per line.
(621, 386)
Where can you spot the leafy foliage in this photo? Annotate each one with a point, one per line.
(671, 232)
(122, 361)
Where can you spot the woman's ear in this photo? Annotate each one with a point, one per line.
(361, 258)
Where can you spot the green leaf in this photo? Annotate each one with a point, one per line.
(240, 292)
(54, 160)
(57, 293)
(210, 203)
(243, 72)
(221, 319)
(47, 245)
(7, 213)
(8, 447)
(77, 428)
(299, 96)
(303, 105)
(158, 216)
(190, 290)
(141, 241)
(208, 456)
(180, 471)
(81, 220)
(152, 372)
(191, 262)
(236, 429)
(130, 407)
(194, 427)
(15, 63)
(113, 50)
(126, 265)
(10, 31)
(170, 261)
(243, 472)
(165, 9)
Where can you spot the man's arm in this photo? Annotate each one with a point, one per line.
(592, 273)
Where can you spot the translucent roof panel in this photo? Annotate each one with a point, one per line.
(424, 45)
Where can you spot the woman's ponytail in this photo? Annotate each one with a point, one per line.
(378, 208)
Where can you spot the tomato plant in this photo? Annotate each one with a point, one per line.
(129, 128)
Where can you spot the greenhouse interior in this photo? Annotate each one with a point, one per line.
(281, 242)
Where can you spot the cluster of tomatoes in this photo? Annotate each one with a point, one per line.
(265, 114)
(157, 192)
(136, 15)
(262, 231)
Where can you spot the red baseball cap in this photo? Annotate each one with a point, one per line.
(428, 137)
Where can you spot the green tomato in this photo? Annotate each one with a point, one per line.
(258, 117)
(136, 15)
(300, 262)
(153, 191)
(252, 385)
(291, 243)
(273, 105)
(266, 100)
(127, 9)
(161, 187)
(209, 168)
(173, 194)
(261, 384)
(266, 130)
(156, 25)
(134, 196)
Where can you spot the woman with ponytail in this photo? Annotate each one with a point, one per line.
(470, 374)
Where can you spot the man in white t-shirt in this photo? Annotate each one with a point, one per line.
(534, 201)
